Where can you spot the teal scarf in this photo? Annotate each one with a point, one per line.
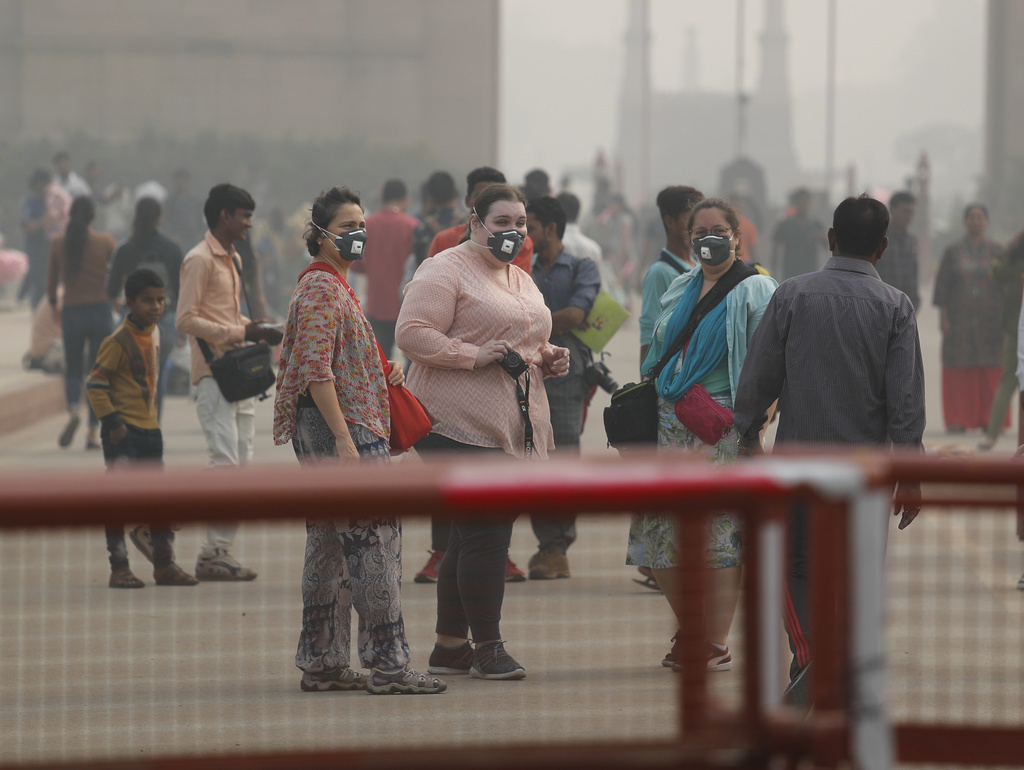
(706, 349)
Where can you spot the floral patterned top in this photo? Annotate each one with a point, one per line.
(327, 337)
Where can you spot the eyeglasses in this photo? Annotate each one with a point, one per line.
(718, 230)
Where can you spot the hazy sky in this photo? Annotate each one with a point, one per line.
(903, 66)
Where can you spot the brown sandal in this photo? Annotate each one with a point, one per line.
(173, 575)
(122, 577)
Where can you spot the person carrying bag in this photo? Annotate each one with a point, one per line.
(632, 417)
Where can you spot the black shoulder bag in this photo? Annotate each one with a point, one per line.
(632, 417)
(242, 372)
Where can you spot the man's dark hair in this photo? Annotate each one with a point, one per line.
(225, 197)
(140, 280)
(547, 210)
(40, 178)
(483, 174)
(860, 225)
(676, 200)
(536, 183)
(60, 155)
(394, 190)
(797, 194)
(441, 187)
(571, 204)
(898, 199)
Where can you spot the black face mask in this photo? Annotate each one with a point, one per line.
(504, 245)
(350, 245)
(712, 250)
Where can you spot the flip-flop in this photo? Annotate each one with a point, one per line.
(649, 582)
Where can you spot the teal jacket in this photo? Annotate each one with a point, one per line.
(744, 307)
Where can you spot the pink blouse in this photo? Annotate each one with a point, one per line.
(327, 337)
(453, 305)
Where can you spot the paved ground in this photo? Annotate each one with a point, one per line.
(90, 672)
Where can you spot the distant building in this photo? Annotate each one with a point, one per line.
(692, 133)
(1003, 182)
(399, 72)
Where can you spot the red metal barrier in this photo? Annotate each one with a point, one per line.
(708, 736)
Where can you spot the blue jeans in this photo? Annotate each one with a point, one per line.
(81, 325)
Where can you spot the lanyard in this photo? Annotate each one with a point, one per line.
(523, 398)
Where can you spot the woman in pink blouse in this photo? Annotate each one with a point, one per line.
(332, 404)
(465, 312)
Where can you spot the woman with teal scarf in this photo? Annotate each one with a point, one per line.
(713, 359)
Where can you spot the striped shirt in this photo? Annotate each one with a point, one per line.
(839, 348)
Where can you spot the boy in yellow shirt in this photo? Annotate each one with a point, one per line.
(122, 388)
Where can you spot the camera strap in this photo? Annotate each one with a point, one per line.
(523, 396)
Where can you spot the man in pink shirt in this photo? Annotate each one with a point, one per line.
(388, 245)
(209, 308)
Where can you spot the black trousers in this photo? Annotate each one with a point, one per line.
(471, 577)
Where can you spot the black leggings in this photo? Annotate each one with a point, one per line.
(471, 577)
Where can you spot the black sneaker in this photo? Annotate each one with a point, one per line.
(490, 661)
(451, 660)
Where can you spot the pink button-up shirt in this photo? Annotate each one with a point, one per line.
(453, 305)
(208, 304)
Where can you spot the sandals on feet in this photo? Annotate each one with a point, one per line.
(173, 575)
(122, 577)
(648, 581)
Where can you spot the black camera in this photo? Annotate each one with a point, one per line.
(513, 364)
(597, 374)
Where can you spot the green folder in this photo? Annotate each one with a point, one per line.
(604, 319)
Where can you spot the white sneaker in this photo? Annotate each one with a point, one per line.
(222, 566)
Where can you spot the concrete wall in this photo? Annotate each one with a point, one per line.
(1003, 183)
(397, 71)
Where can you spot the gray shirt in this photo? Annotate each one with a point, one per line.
(839, 348)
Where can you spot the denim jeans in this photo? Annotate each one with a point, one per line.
(83, 325)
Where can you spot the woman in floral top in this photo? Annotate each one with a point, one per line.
(332, 404)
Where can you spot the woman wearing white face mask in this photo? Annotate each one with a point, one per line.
(465, 313)
(698, 379)
(332, 404)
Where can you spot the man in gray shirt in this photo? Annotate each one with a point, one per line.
(840, 351)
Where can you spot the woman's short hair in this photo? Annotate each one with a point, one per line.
(728, 210)
(325, 207)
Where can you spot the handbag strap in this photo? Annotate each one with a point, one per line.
(203, 346)
(739, 271)
(325, 267)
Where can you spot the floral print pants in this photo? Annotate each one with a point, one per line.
(349, 563)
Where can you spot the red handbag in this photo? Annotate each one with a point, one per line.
(702, 415)
(409, 420)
